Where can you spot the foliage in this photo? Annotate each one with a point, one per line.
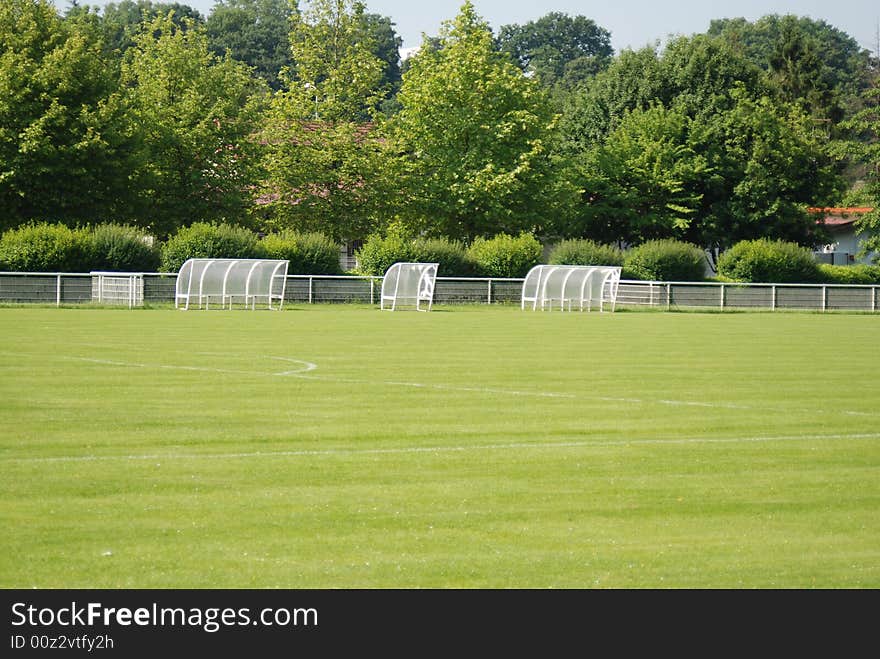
(474, 137)
(555, 44)
(254, 32)
(195, 115)
(336, 75)
(633, 80)
(324, 165)
(765, 260)
(451, 255)
(324, 177)
(386, 47)
(380, 251)
(642, 183)
(808, 61)
(207, 240)
(308, 253)
(122, 21)
(665, 260)
(767, 166)
(44, 247)
(850, 274)
(865, 124)
(63, 148)
(505, 255)
(585, 252)
(122, 248)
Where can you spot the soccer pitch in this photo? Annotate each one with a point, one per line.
(339, 446)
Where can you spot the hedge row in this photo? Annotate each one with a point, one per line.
(775, 261)
(501, 256)
(57, 248)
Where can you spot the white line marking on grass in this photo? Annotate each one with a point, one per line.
(446, 449)
(307, 367)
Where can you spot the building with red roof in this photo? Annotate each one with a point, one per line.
(845, 238)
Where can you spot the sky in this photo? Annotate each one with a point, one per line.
(632, 23)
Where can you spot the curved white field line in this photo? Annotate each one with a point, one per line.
(304, 366)
(528, 446)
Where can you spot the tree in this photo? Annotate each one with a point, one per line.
(121, 21)
(767, 165)
(386, 47)
(254, 32)
(195, 115)
(474, 133)
(866, 126)
(549, 46)
(633, 80)
(642, 183)
(809, 61)
(335, 65)
(322, 153)
(63, 150)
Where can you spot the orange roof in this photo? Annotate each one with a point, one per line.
(837, 217)
(856, 210)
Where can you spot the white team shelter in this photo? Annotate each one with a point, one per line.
(571, 286)
(409, 285)
(224, 282)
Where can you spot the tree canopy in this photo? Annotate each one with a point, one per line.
(292, 114)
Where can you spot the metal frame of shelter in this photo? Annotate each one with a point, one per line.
(411, 283)
(567, 286)
(202, 281)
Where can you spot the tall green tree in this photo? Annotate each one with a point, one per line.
(255, 32)
(195, 115)
(767, 165)
(555, 45)
(322, 151)
(475, 134)
(121, 21)
(63, 149)
(809, 61)
(642, 183)
(865, 125)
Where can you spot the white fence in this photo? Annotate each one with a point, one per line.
(158, 288)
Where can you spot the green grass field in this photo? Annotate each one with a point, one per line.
(472, 447)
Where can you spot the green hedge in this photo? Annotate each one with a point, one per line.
(45, 247)
(380, 252)
(505, 255)
(122, 248)
(452, 256)
(850, 274)
(585, 252)
(665, 260)
(204, 240)
(763, 260)
(308, 253)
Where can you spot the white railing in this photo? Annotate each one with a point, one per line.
(61, 288)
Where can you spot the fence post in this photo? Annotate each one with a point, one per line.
(57, 290)
(824, 298)
(310, 289)
(773, 298)
(722, 297)
(668, 296)
(489, 292)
